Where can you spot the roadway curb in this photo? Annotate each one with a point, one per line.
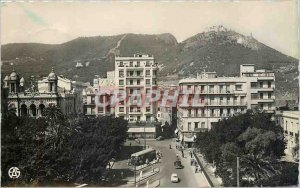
(204, 171)
(148, 176)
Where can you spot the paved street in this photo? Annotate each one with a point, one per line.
(187, 175)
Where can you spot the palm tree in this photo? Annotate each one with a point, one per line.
(58, 127)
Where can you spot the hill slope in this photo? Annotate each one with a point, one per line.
(217, 49)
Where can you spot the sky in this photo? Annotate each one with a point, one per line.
(273, 23)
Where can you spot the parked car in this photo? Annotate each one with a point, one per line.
(174, 178)
(178, 164)
(159, 138)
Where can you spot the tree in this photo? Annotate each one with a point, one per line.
(252, 137)
(95, 142)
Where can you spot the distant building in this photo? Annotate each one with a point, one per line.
(106, 86)
(51, 90)
(289, 121)
(221, 97)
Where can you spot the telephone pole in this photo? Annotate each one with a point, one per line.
(237, 171)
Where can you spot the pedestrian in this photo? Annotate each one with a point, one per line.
(147, 161)
(182, 153)
(177, 155)
(170, 146)
(122, 174)
(196, 168)
(190, 153)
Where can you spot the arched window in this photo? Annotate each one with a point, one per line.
(23, 110)
(33, 110)
(41, 108)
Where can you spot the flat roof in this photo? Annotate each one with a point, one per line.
(141, 129)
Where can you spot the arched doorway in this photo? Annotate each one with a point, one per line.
(41, 109)
(23, 110)
(12, 108)
(33, 110)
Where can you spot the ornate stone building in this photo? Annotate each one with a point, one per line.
(51, 90)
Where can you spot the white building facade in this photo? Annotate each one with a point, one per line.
(210, 98)
(51, 90)
(289, 121)
(137, 77)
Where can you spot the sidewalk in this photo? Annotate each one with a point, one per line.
(142, 180)
(199, 176)
(209, 171)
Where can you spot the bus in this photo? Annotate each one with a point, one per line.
(141, 157)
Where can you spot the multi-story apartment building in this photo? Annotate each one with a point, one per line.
(209, 98)
(137, 77)
(289, 121)
(101, 90)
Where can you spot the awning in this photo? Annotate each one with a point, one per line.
(187, 139)
(141, 130)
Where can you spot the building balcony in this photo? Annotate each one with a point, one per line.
(135, 112)
(135, 76)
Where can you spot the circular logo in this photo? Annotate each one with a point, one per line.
(14, 173)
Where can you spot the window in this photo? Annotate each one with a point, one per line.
(202, 124)
(100, 109)
(138, 64)
(138, 109)
(131, 82)
(189, 126)
(131, 91)
(212, 98)
(228, 100)
(211, 88)
(154, 72)
(238, 87)
(130, 64)
(147, 81)
(228, 111)
(158, 109)
(138, 73)
(269, 106)
(221, 89)
(235, 99)
(121, 109)
(121, 64)
(147, 91)
(254, 96)
(147, 64)
(242, 99)
(242, 109)
(202, 112)
(138, 118)
(154, 81)
(148, 118)
(212, 112)
(147, 72)
(121, 82)
(196, 125)
(253, 84)
(261, 84)
(269, 84)
(189, 112)
(261, 95)
(221, 100)
(121, 73)
(221, 111)
(138, 82)
(269, 95)
(131, 73)
(148, 109)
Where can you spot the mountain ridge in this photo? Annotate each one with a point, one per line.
(219, 49)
